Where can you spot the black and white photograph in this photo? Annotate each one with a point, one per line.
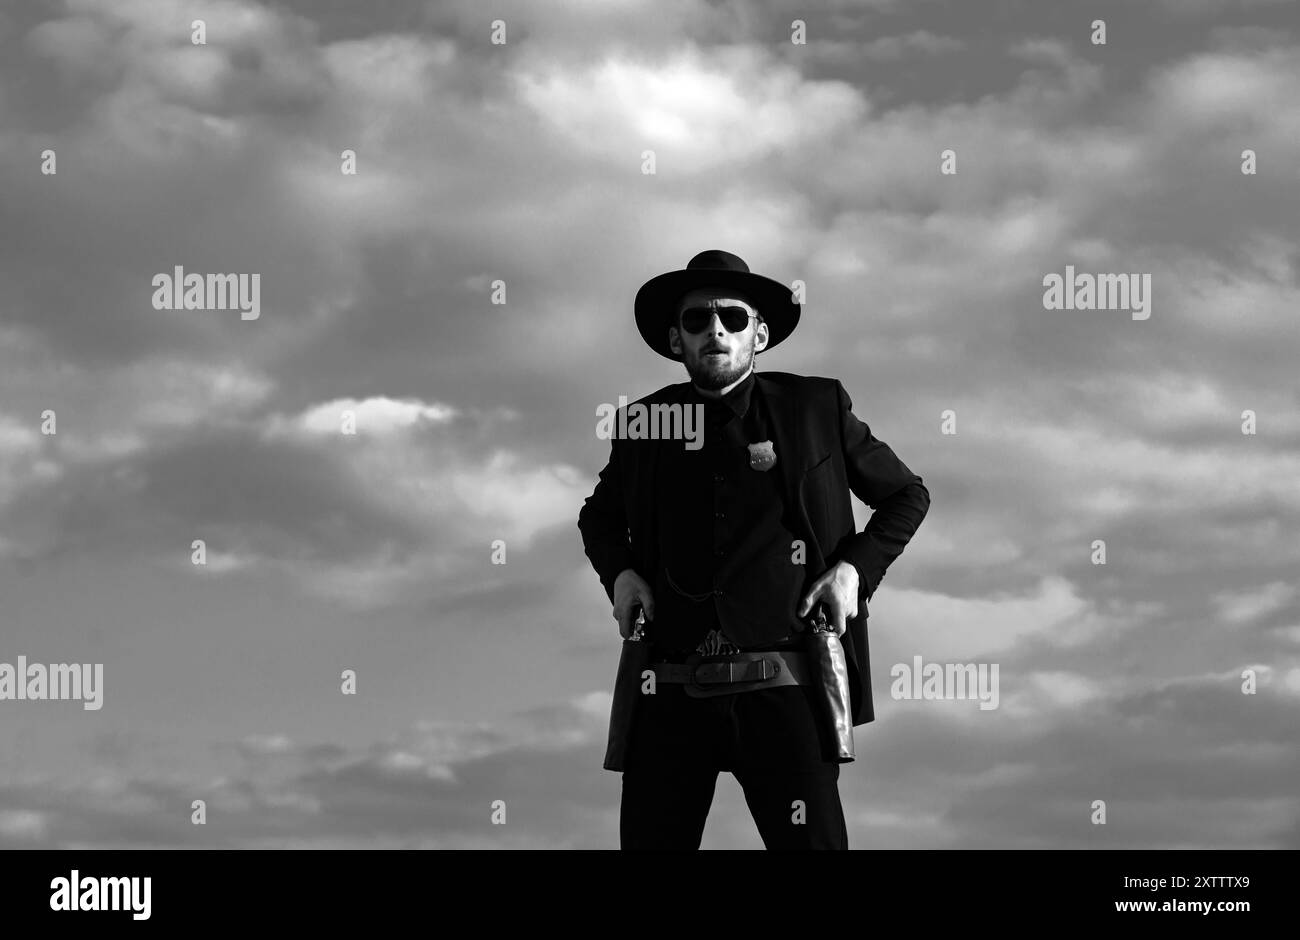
(627, 425)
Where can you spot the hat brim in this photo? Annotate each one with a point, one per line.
(656, 302)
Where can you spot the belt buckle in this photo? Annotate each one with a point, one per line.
(693, 686)
(693, 663)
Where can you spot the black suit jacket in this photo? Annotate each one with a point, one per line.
(823, 453)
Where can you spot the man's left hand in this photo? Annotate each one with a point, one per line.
(838, 590)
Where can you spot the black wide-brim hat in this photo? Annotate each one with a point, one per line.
(656, 301)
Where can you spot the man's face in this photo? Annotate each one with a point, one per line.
(715, 357)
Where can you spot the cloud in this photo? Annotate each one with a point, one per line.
(374, 416)
(1168, 758)
(696, 112)
(1025, 776)
(20, 461)
(920, 41)
(1244, 607)
(935, 625)
(253, 57)
(18, 827)
(1195, 8)
(432, 785)
(386, 516)
(1241, 90)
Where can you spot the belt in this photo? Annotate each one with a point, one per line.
(707, 676)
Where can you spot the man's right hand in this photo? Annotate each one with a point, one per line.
(631, 592)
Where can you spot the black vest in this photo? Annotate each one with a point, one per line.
(726, 559)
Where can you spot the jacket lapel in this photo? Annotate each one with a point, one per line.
(781, 424)
(647, 490)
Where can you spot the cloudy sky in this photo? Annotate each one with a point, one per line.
(522, 162)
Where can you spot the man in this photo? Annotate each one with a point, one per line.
(727, 548)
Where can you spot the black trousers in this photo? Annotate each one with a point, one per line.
(770, 739)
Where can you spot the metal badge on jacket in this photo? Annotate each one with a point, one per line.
(762, 456)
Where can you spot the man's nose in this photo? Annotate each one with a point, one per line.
(716, 329)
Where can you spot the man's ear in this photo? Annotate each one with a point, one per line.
(760, 337)
(674, 340)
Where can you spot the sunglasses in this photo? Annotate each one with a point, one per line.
(697, 319)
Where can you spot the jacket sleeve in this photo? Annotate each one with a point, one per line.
(883, 482)
(603, 524)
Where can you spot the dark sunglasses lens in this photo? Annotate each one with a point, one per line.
(734, 319)
(696, 319)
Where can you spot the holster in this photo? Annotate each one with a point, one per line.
(828, 669)
(632, 662)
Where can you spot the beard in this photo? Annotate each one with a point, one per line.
(712, 376)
